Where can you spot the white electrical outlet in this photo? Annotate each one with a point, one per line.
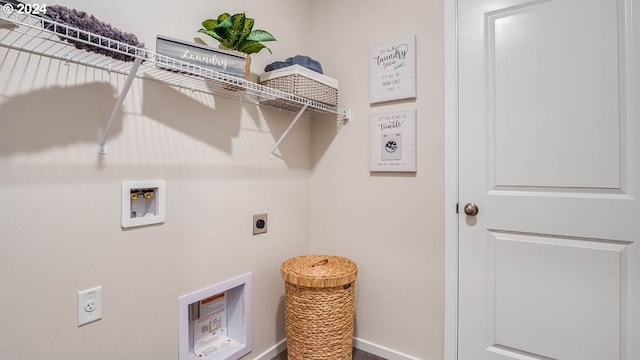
(89, 305)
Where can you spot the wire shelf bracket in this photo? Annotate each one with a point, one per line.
(284, 134)
(102, 146)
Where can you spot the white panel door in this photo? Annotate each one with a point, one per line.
(549, 151)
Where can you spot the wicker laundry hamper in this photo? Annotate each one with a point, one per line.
(319, 306)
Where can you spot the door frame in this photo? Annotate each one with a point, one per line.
(451, 179)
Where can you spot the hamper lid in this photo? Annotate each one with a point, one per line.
(319, 270)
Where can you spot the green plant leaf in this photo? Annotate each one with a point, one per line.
(251, 47)
(223, 17)
(227, 44)
(231, 30)
(246, 31)
(210, 24)
(260, 35)
(225, 32)
(237, 27)
(211, 33)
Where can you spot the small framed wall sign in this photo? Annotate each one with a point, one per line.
(392, 67)
(393, 141)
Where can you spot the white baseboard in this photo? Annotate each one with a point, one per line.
(360, 344)
(380, 350)
(273, 351)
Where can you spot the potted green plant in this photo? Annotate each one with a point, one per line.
(235, 32)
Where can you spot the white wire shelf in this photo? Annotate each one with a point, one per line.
(37, 35)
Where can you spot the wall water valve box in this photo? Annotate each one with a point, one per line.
(143, 203)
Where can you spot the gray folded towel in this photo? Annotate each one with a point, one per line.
(301, 60)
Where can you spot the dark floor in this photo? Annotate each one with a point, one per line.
(357, 355)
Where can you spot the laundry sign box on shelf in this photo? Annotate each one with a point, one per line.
(223, 61)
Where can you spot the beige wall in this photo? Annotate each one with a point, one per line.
(390, 224)
(60, 202)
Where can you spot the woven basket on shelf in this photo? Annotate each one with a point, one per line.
(301, 81)
(319, 307)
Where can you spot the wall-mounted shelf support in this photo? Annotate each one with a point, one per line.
(295, 120)
(102, 146)
(346, 114)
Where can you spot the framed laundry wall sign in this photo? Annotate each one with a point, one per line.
(393, 141)
(392, 68)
